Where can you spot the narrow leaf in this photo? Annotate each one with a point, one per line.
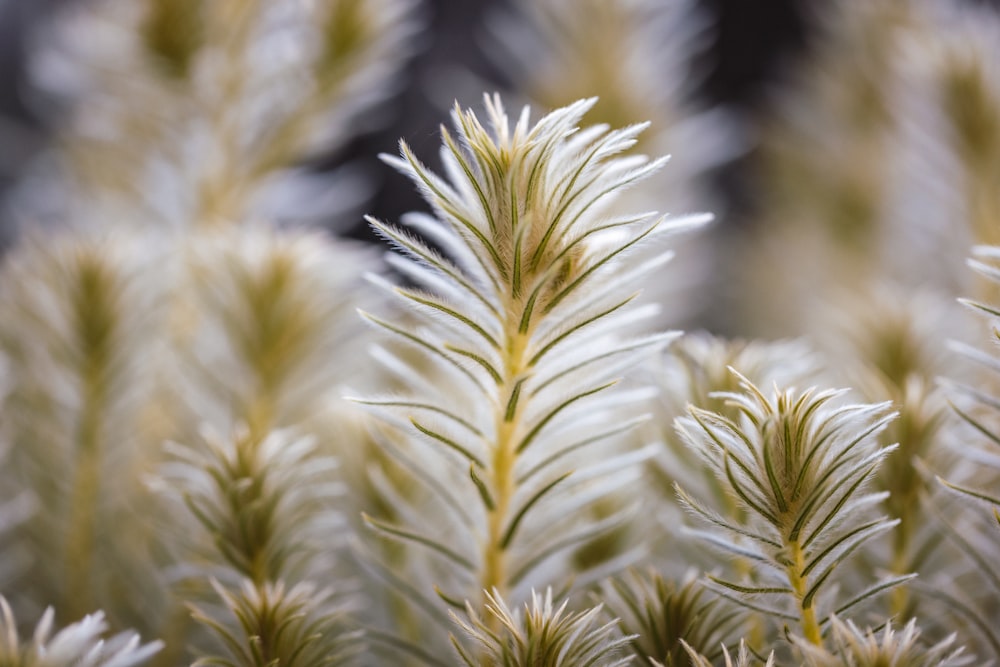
(519, 515)
(408, 536)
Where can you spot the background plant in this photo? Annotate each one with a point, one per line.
(159, 293)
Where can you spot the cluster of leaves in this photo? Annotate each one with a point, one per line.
(81, 644)
(798, 467)
(520, 334)
(518, 446)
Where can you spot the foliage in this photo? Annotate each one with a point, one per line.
(798, 465)
(277, 627)
(530, 472)
(521, 331)
(857, 648)
(668, 620)
(545, 635)
(80, 644)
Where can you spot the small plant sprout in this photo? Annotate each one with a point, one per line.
(798, 464)
(543, 635)
(666, 620)
(856, 648)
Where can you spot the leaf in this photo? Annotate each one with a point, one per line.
(441, 307)
(552, 414)
(718, 521)
(416, 538)
(867, 594)
(575, 327)
(519, 515)
(448, 442)
(751, 590)
(973, 493)
(576, 446)
(418, 406)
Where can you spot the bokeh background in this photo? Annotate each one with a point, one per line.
(749, 57)
(749, 47)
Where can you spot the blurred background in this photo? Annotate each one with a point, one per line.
(729, 86)
(748, 47)
(183, 185)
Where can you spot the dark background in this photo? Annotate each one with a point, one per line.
(752, 39)
(756, 43)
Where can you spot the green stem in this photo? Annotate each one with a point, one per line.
(175, 634)
(84, 499)
(800, 584)
(504, 458)
(899, 600)
(219, 194)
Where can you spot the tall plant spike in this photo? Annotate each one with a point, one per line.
(520, 325)
(798, 465)
(78, 327)
(206, 110)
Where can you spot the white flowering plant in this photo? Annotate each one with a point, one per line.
(230, 438)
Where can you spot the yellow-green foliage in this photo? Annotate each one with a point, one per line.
(524, 476)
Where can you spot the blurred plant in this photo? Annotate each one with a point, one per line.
(975, 595)
(828, 162)
(80, 321)
(16, 505)
(78, 645)
(558, 51)
(666, 621)
(265, 328)
(949, 106)
(969, 92)
(890, 347)
(266, 504)
(187, 113)
(265, 517)
(881, 170)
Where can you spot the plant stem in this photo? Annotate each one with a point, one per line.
(83, 499)
(504, 458)
(807, 615)
(175, 634)
(901, 545)
(219, 191)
